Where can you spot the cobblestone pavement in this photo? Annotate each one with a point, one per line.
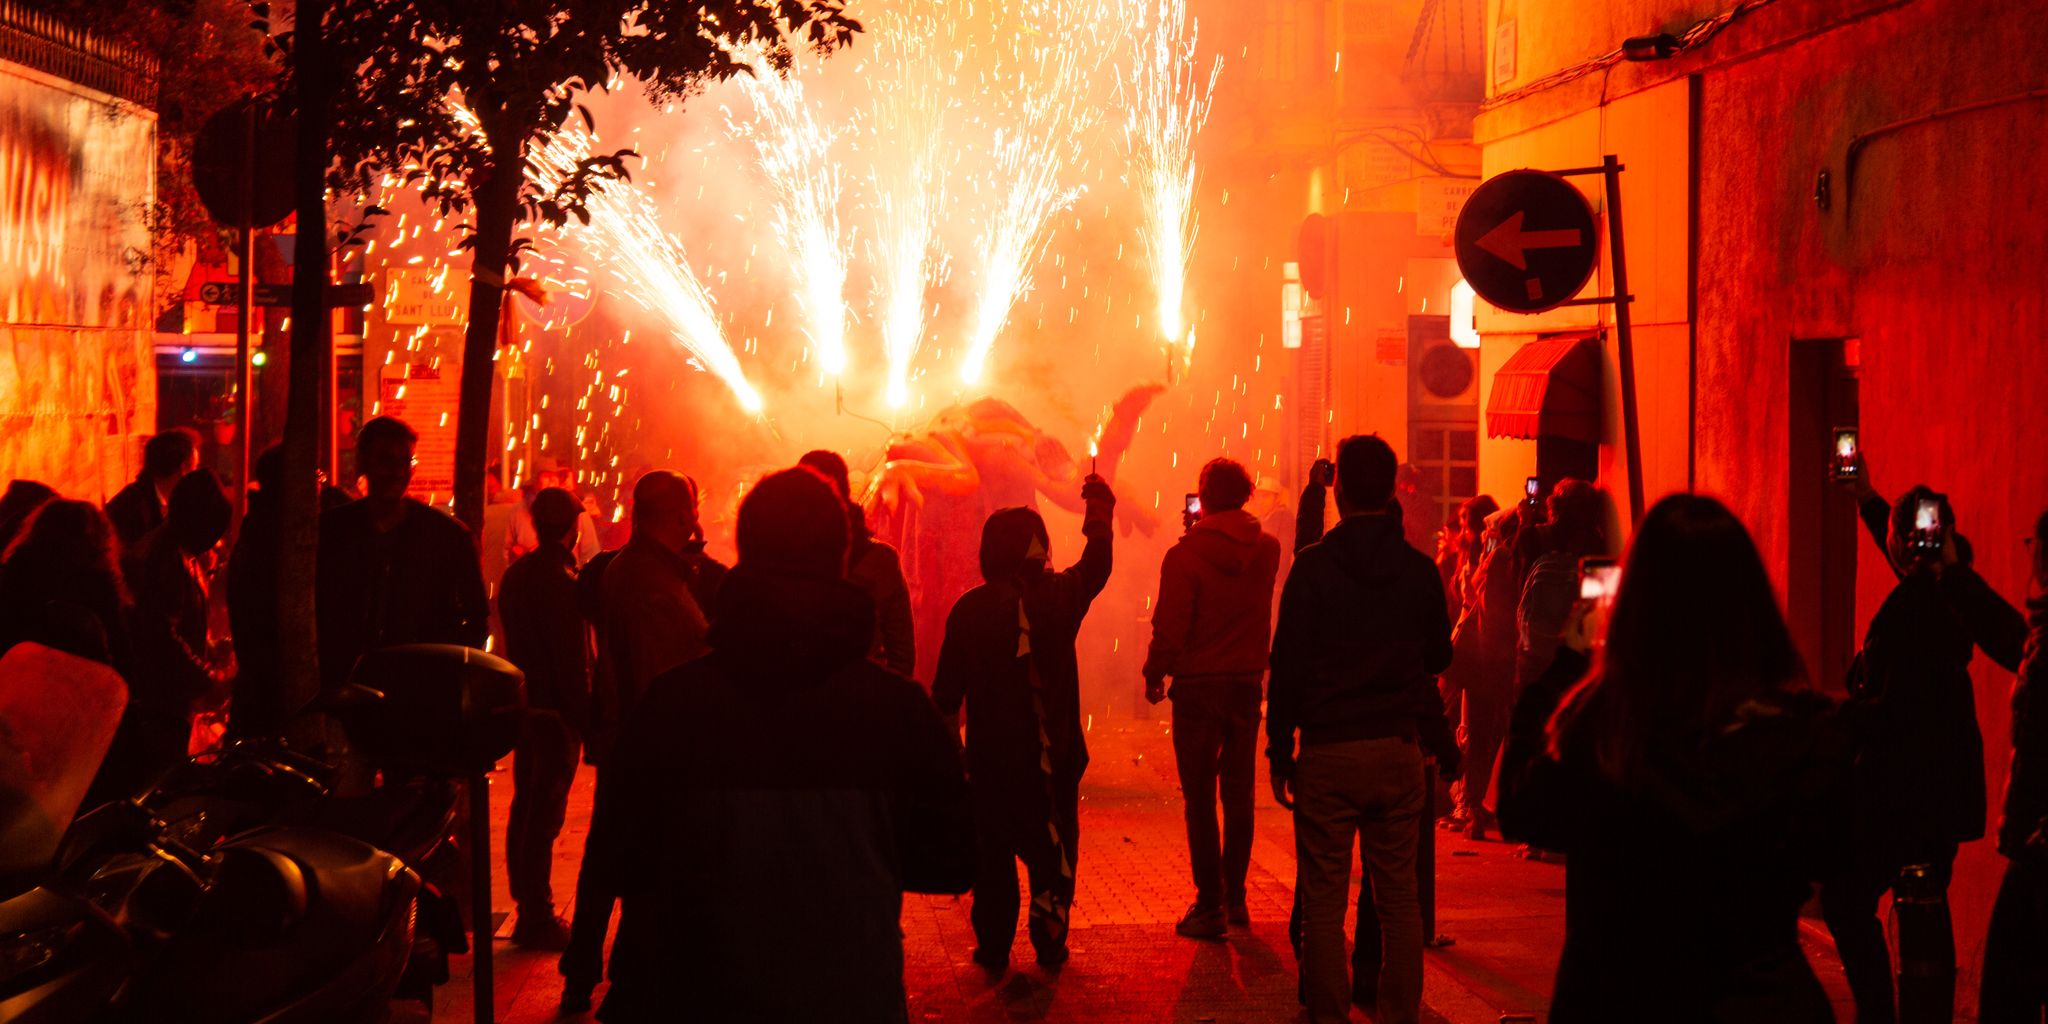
(1504, 915)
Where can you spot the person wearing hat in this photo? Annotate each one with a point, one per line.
(544, 636)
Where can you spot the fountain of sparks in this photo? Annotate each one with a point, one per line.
(625, 238)
(1168, 105)
(1032, 154)
(794, 152)
(907, 178)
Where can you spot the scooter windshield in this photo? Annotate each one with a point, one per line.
(57, 716)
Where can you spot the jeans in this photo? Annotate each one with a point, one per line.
(1371, 789)
(1485, 694)
(543, 767)
(1927, 945)
(597, 888)
(1215, 738)
(2015, 987)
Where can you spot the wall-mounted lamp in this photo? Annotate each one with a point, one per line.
(1662, 46)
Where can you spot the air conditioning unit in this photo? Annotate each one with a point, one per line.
(1443, 378)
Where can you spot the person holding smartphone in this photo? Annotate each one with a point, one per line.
(1211, 630)
(1919, 785)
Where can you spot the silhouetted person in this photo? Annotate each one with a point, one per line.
(394, 570)
(61, 586)
(21, 499)
(2015, 982)
(785, 792)
(545, 637)
(1920, 788)
(650, 620)
(1575, 527)
(139, 507)
(1483, 663)
(1211, 630)
(1362, 636)
(875, 566)
(1697, 785)
(1008, 656)
(176, 666)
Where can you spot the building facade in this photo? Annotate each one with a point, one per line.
(1833, 217)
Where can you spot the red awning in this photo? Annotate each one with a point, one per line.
(1550, 388)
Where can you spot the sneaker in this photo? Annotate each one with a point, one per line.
(992, 960)
(1052, 957)
(550, 933)
(575, 999)
(1202, 923)
(1238, 915)
(1454, 822)
(1476, 832)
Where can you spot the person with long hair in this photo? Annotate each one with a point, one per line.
(61, 587)
(1692, 778)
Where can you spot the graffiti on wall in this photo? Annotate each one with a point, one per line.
(77, 385)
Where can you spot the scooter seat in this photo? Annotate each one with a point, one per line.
(258, 887)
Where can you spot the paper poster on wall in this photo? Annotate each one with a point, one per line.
(426, 396)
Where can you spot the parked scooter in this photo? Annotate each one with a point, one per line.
(248, 906)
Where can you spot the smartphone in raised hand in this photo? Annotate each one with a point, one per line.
(1844, 458)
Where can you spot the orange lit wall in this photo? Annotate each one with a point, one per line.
(77, 385)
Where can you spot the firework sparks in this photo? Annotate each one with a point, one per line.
(1032, 153)
(908, 178)
(794, 151)
(649, 265)
(1168, 106)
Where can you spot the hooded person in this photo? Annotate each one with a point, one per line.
(1211, 630)
(783, 792)
(1008, 656)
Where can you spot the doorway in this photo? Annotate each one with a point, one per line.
(1820, 581)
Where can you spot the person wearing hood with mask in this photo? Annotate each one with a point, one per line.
(782, 793)
(1363, 634)
(1008, 655)
(1211, 630)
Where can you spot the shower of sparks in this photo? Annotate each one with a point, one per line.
(1168, 105)
(908, 178)
(794, 151)
(1038, 143)
(647, 263)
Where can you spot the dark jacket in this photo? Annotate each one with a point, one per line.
(1363, 634)
(1920, 769)
(544, 632)
(785, 792)
(174, 666)
(1719, 844)
(419, 583)
(649, 622)
(2025, 813)
(1215, 611)
(876, 569)
(135, 510)
(258, 708)
(980, 666)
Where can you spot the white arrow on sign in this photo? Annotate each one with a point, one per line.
(1510, 242)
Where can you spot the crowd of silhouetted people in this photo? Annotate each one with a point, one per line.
(770, 780)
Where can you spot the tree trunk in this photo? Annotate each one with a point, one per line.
(311, 343)
(497, 208)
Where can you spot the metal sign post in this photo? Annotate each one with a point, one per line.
(1525, 243)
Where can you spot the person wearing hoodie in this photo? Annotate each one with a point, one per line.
(876, 568)
(1211, 630)
(2015, 982)
(1363, 634)
(783, 793)
(1689, 773)
(1008, 656)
